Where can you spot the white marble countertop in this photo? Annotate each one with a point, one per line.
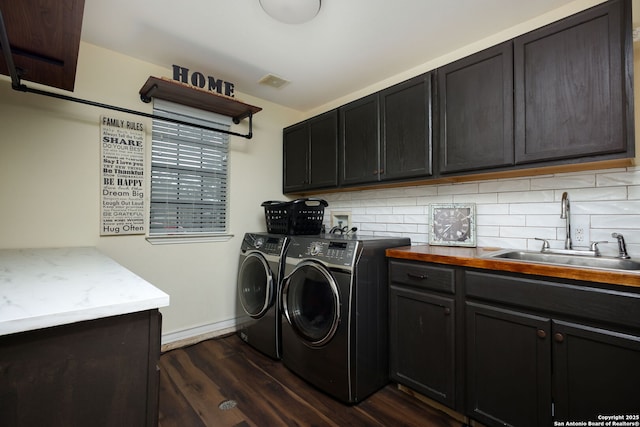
(40, 288)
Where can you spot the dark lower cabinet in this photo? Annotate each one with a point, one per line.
(508, 367)
(596, 372)
(544, 351)
(95, 373)
(422, 342)
(423, 329)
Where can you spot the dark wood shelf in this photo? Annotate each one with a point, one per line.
(180, 93)
(45, 40)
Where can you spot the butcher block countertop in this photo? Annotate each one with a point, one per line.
(41, 288)
(477, 258)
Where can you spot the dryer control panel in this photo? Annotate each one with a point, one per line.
(267, 244)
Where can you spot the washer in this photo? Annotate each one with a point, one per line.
(259, 283)
(335, 307)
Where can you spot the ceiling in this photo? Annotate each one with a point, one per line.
(349, 45)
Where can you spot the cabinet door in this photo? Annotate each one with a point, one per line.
(475, 98)
(596, 372)
(295, 144)
(323, 156)
(97, 372)
(422, 343)
(571, 86)
(406, 129)
(508, 367)
(359, 141)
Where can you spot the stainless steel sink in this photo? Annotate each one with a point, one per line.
(564, 259)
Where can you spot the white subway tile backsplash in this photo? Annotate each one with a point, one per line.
(372, 226)
(534, 208)
(528, 232)
(409, 210)
(615, 221)
(526, 197)
(465, 188)
(577, 195)
(416, 219)
(390, 219)
(476, 198)
(564, 183)
(619, 178)
(402, 228)
(504, 186)
(504, 220)
(379, 210)
(492, 209)
(510, 213)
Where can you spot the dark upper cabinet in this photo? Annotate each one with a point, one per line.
(561, 94)
(475, 103)
(311, 154)
(573, 94)
(360, 141)
(387, 135)
(406, 129)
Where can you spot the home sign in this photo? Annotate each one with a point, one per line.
(199, 80)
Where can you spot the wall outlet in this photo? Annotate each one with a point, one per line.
(580, 230)
(341, 219)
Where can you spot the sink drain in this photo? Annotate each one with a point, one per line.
(227, 404)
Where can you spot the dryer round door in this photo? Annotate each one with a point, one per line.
(255, 285)
(311, 303)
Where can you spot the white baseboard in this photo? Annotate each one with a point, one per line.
(190, 336)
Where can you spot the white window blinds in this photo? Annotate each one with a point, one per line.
(189, 172)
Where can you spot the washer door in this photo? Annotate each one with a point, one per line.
(255, 285)
(311, 303)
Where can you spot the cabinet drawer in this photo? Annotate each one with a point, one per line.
(420, 275)
(560, 298)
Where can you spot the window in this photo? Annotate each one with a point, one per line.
(189, 173)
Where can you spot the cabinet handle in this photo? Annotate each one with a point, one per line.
(558, 337)
(375, 172)
(447, 311)
(381, 171)
(417, 276)
(541, 333)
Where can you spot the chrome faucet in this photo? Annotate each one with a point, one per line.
(565, 213)
(622, 247)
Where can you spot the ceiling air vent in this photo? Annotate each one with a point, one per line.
(273, 81)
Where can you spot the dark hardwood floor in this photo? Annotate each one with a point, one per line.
(200, 384)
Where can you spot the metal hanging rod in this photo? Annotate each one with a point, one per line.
(17, 85)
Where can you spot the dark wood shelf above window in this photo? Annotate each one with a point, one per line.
(180, 93)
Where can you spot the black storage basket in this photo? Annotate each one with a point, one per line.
(298, 217)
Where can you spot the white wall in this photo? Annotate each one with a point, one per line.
(50, 189)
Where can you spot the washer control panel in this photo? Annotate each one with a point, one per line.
(330, 251)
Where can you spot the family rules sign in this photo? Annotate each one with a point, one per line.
(122, 154)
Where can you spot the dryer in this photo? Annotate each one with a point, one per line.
(258, 283)
(335, 310)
